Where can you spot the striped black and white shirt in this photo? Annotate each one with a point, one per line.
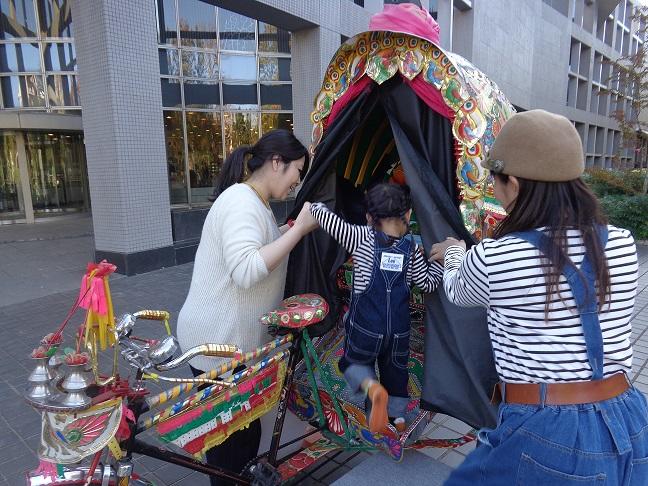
(360, 242)
(506, 276)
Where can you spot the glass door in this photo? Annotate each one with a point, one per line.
(11, 197)
(57, 170)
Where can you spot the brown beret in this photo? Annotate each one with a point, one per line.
(539, 146)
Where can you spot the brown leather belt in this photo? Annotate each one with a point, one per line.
(573, 393)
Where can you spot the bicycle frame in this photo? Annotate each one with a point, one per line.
(301, 347)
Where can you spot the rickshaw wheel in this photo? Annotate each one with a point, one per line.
(262, 473)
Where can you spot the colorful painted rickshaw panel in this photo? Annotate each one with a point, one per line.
(478, 106)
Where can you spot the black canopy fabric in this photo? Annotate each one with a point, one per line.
(459, 369)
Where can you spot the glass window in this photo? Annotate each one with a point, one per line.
(171, 92)
(205, 143)
(270, 121)
(167, 33)
(238, 67)
(236, 32)
(23, 91)
(240, 96)
(19, 58)
(17, 19)
(197, 23)
(274, 69)
(55, 18)
(11, 200)
(174, 138)
(273, 39)
(199, 64)
(201, 94)
(276, 97)
(60, 57)
(240, 129)
(169, 62)
(62, 90)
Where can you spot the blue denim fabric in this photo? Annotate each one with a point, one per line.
(378, 328)
(602, 443)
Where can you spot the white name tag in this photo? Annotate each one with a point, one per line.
(392, 262)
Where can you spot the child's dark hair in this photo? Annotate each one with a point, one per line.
(388, 201)
(276, 142)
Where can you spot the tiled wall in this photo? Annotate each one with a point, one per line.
(122, 119)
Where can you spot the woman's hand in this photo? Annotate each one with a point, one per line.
(305, 221)
(438, 249)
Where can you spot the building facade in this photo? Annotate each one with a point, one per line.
(128, 108)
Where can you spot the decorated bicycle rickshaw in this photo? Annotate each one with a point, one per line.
(393, 105)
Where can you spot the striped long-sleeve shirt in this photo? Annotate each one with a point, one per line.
(506, 276)
(360, 242)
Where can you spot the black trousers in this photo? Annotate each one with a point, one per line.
(239, 448)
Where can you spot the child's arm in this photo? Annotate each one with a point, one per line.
(426, 275)
(348, 235)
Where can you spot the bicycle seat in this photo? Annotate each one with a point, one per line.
(297, 311)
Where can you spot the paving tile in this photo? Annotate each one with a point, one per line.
(452, 458)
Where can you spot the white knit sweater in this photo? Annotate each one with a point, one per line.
(231, 287)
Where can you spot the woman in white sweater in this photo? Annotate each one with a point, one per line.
(240, 266)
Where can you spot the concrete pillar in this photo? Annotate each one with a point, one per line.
(312, 50)
(445, 19)
(119, 77)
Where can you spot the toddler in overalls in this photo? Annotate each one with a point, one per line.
(386, 263)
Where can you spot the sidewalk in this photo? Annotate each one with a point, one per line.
(40, 270)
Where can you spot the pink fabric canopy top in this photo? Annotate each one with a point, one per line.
(406, 18)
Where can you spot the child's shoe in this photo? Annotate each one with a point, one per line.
(378, 416)
(400, 424)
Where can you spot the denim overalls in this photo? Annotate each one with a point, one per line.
(602, 443)
(378, 324)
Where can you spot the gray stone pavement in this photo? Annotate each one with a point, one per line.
(43, 258)
(33, 301)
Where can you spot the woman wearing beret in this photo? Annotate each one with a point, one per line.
(559, 286)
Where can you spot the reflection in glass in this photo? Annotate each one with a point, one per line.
(274, 69)
(197, 24)
(167, 22)
(205, 153)
(169, 62)
(238, 67)
(270, 121)
(19, 58)
(60, 57)
(236, 32)
(276, 96)
(171, 92)
(199, 64)
(55, 18)
(174, 138)
(23, 91)
(11, 198)
(240, 96)
(63, 90)
(57, 170)
(240, 129)
(201, 94)
(273, 39)
(17, 19)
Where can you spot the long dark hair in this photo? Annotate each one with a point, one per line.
(388, 200)
(560, 206)
(281, 143)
